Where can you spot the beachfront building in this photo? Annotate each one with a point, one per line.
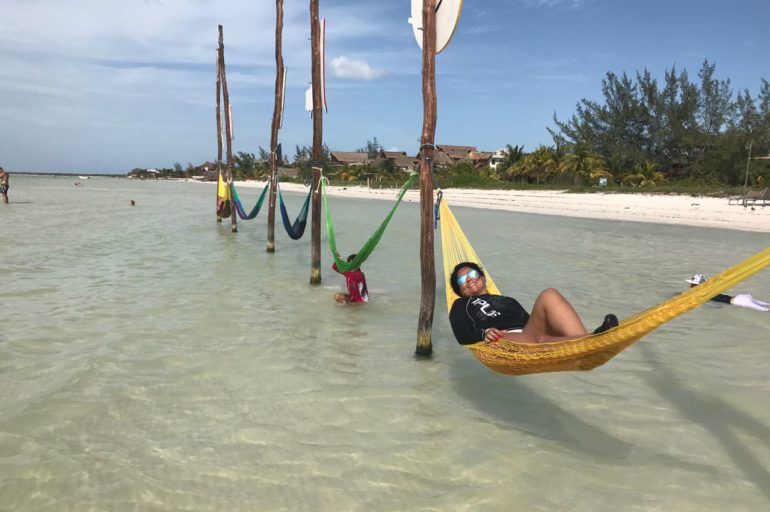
(454, 154)
(498, 158)
(207, 171)
(349, 158)
(448, 155)
(288, 172)
(400, 160)
(480, 159)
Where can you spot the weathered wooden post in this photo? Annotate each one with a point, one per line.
(219, 128)
(228, 129)
(277, 114)
(427, 263)
(317, 152)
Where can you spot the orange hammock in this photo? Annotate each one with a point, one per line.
(588, 352)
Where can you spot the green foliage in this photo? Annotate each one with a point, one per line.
(387, 167)
(372, 148)
(304, 154)
(690, 130)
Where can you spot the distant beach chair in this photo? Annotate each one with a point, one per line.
(751, 197)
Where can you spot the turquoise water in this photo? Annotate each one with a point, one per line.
(152, 360)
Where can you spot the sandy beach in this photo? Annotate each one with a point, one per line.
(663, 209)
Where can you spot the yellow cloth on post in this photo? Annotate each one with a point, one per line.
(223, 191)
(588, 352)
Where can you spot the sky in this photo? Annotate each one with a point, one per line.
(106, 86)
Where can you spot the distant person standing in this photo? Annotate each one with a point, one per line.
(4, 176)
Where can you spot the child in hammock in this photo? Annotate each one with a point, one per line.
(356, 282)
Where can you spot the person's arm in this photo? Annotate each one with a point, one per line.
(462, 327)
(334, 267)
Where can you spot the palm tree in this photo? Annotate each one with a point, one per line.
(537, 165)
(512, 155)
(581, 162)
(645, 174)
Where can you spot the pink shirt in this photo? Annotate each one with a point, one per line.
(356, 284)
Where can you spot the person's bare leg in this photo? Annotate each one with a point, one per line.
(552, 319)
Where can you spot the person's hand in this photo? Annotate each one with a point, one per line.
(491, 335)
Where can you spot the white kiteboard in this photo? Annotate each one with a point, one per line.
(309, 91)
(447, 17)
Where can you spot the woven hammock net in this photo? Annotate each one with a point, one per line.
(588, 352)
(255, 210)
(296, 229)
(371, 243)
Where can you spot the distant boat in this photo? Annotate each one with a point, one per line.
(84, 177)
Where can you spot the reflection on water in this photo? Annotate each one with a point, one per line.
(152, 360)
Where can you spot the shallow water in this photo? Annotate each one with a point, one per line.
(152, 360)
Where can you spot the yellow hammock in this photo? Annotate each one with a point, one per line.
(588, 352)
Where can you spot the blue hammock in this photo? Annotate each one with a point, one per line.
(297, 229)
(254, 211)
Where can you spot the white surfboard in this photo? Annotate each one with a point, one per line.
(447, 17)
(283, 99)
(309, 99)
(323, 65)
(309, 91)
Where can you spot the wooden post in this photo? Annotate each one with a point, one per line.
(748, 164)
(274, 163)
(228, 130)
(219, 126)
(316, 158)
(427, 264)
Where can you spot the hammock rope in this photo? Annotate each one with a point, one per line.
(296, 229)
(370, 244)
(588, 352)
(255, 210)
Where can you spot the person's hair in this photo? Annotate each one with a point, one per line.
(453, 276)
(352, 257)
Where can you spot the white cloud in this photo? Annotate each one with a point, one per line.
(349, 69)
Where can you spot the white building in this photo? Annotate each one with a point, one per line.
(498, 158)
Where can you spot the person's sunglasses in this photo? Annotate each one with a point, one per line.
(472, 274)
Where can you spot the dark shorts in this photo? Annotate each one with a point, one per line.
(4, 189)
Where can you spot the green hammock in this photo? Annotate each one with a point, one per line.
(297, 229)
(370, 244)
(254, 211)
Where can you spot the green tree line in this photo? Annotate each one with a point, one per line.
(645, 132)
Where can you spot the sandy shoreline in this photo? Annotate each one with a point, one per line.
(663, 209)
